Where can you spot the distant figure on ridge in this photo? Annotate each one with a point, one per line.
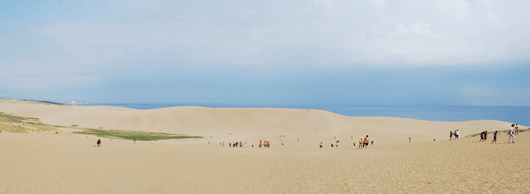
(510, 133)
(494, 137)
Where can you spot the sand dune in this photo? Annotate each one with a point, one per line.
(248, 123)
(33, 163)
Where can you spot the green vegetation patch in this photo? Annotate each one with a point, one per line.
(131, 135)
(13, 128)
(11, 118)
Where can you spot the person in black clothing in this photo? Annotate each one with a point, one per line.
(99, 142)
(372, 142)
(481, 136)
(485, 136)
(494, 137)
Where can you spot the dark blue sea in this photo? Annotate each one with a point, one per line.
(512, 114)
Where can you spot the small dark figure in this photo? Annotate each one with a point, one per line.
(320, 144)
(353, 144)
(331, 144)
(494, 137)
(99, 143)
(372, 142)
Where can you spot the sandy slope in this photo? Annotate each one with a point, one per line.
(70, 164)
(249, 124)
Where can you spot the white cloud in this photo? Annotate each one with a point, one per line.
(321, 32)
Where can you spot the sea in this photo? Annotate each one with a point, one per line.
(512, 114)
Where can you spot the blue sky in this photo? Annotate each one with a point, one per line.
(447, 52)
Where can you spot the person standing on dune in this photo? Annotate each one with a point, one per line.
(320, 144)
(366, 141)
(450, 135)
(510, 133)
(494, 137)
(410, 139)
(99, 143)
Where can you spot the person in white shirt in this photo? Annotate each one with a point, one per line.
(457, 133)
(510, 133)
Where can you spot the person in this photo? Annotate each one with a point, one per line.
(485, 135)
(366, 141)
(510, 133)
(99, 142)
(260, 143)
(208, 142)
(372, 142)
(457, 133)
(494, 137)
(229, 145)
(245, 144)
(337, 144)
(360, 142)
(410, 139)
(516, 129)
(134, 141)
(320, 144)
(331, 144)
(0, 130)
(353, 144)
(223, 144)
(481, 136)
(450, 135)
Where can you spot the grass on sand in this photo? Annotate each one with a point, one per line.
(131, 135)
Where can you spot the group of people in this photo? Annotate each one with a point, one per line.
(236, 144)
(454, 135)
(265, 143)
(336, 144)
(363, 142)
(484, 136)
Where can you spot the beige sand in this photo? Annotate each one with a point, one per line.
(33, 163)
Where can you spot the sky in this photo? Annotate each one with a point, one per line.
(327, 52)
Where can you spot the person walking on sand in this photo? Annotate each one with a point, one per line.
(260, 143)
(337, 144)
(494, 137)
(366, 141)
(450, 135)
(485, 135)
(372, 142)
(457, 133)
(320, 144)
(516, 129)
(410, 139)
(331, 144)
(510, 133)
(99, 142)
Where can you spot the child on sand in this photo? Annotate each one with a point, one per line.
(360, 142)
(320, 144)
(99, 143)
